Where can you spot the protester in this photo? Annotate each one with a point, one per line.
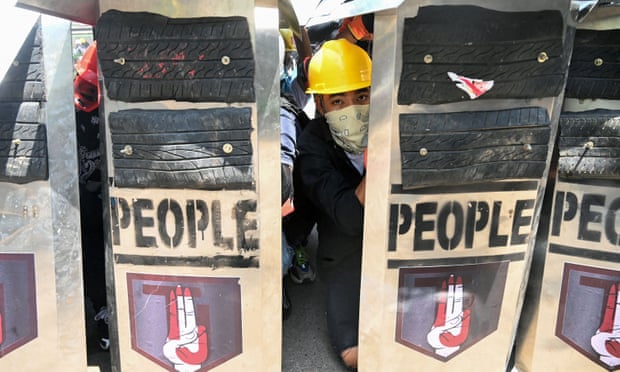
(87, 99)
(332, 170)
(295, 227)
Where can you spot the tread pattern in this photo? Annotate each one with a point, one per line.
(589, 144)
(595, 65)
(148, 57)
(481, 44)
(23, 134)
(471, 147)
(199, 149)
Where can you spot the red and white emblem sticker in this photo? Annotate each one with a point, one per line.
(473, 87)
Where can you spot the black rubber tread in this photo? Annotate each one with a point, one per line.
(471, 147)
(182, 148)
(587, 79)
(23, 81)
(206, 59)
(474, 120)
(472, 174)
(20, 112)
(30, 141)
(23, 135)
(599, 128)
(451, 141)
(479, 43)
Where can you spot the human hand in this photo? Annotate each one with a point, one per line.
(360, 191)
(451, 326)
(606, 341)
(186, 344)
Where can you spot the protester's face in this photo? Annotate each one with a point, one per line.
(332, 102)
(347, 116)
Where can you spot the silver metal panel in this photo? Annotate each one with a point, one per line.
(551, 293)
(82, 11)
(260, 286)
(379, 307)
(43, 222)
(327, 11)
(64, 194)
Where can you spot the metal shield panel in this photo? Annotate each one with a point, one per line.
(464, 113)
(191, 115)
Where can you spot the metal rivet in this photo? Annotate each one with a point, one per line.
(527, 147)
(428, 58)
(25, 212)
(542, 57)
(225, 60)
(227, 148)
(589, 145)
(423, 151)
(35, 211)
(127, 150)
(598, 62)
(120, 61)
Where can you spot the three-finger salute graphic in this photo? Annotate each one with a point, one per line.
(186, 344)
(451, 326)
(606, 341)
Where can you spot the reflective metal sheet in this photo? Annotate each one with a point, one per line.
(83, 11)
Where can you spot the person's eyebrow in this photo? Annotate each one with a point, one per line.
(336, 95)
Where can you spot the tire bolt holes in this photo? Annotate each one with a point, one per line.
(127, 150)
(542, 57)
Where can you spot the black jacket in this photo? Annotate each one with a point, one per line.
(329, 180)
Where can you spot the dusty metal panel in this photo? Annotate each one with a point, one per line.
(83, 11)
(441, 259)
(571, 309)
(571, 304)
(64, 194)
(40, 249)
(214, 240)
(334, 10)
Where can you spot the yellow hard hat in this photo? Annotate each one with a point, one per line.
(339, 66)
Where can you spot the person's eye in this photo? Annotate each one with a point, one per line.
(363, 97)
(336, 102)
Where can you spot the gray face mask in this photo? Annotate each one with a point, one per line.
(349, 127)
